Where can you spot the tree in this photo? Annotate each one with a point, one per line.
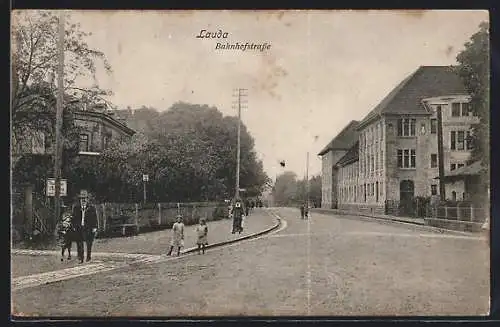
(189, 152)
(33, 97)
(474, 69)
(286, 190)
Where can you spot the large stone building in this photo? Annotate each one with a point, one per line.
(330, 155)
(395, 157)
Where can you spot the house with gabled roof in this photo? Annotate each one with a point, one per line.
(330, 155)
(397, 142)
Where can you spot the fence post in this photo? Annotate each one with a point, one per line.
(137, 214)
(471, 213)
(159, 214)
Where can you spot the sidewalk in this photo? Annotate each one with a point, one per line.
(159, 242)
(26, 262)
(416, 221)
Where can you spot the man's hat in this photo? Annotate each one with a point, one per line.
(83, 194)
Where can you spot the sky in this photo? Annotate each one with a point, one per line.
(323, 69)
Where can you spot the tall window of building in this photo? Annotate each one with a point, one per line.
(434, 189)
(465, 109)
(454, 196)
(434, 160)
(84, 142)
(453, 166)
(406, 127)
(460, 166)
(434, 126)
(407, 158)
(458, 140)
(455, 109)
(468, 140)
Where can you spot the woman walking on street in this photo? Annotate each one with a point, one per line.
(177, 236)
(202, 232)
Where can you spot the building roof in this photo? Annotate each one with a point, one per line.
(344, 140)
(473, 169)
(425, 82)
(351, 156)
(107, 118)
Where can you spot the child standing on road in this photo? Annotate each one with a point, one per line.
(202, 232)
(177, 236)
(65, 233)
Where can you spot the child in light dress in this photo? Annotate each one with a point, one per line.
(202, 233)
(177, 240)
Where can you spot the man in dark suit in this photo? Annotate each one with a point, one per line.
(84, 223)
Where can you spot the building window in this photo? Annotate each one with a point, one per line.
(468, 140)
(458, 140)
(406, 127)
(434, 160)
(434, 189)
(460, 166)
(407, 158)
(453, 166)
(461, 109)
(84, 142)
(434, 126)
(455, 109)
(454, 196)
(465, 109)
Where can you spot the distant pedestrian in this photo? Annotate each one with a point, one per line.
(237, 214)
(65, 232)
(302, 211)
(247, 208)
(202, 233)
(84, 221)
(177, 240)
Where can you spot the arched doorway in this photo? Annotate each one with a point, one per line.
(406, 195)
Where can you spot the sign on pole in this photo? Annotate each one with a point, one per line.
(51, 187)
(145, 178)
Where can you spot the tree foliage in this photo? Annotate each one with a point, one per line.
(189, 153)
(474, 69)
(33, 92)
(290, 191)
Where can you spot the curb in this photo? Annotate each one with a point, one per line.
(139, 256)
(398, 221)
(246, 237)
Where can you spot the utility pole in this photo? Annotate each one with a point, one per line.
(240, 95)
(307, 181)
(59, 115)
(442, 188)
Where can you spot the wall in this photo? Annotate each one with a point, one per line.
(328, 177)
(372, 149)
(348, 184)
(100, 131)
(458, 187)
